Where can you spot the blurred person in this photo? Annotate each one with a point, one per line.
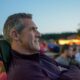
(53, 46)
(53, 51)
(2, 68)
(66, 55)
(43, 46)
(3, 75)
(77, 56)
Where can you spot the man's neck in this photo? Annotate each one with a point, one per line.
(23, 50)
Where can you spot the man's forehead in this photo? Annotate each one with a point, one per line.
(29, 22)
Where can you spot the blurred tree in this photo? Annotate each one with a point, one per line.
(1, 36)
(78, 30)
(56, 36)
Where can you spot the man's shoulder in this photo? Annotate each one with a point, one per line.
(60, 58)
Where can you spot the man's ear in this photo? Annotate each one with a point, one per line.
(14, 34)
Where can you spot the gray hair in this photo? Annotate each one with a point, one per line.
(14, 21)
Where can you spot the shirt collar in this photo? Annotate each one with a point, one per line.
(33, 57)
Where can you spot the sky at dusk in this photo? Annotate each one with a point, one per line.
(51, 16)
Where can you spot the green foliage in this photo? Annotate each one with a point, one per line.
(78, 32)
(1, 36)
(56, 36)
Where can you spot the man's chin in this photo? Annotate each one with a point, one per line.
(37, 48)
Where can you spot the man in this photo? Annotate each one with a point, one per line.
(67, 55)
(26, 63)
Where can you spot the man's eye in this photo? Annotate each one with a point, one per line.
(34, 29)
